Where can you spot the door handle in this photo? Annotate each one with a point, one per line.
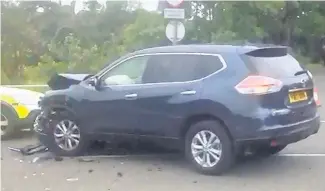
(131, 96)
(190, 92)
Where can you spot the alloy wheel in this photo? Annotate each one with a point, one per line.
(206, 148)
(67, 135)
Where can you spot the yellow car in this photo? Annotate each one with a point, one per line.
(19, 109)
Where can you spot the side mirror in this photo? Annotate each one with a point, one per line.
(95, 83)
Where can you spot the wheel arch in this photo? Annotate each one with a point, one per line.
(202, 117)
(9, 107)
(61, 110)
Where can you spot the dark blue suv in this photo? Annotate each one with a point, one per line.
(212, 101)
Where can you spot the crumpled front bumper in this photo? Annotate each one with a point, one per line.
(41, 123)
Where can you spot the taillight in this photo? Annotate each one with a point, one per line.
(258, 85)
(316, 97)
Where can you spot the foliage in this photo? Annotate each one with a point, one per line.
(39, 38)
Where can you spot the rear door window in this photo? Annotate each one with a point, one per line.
(277, 67)
(180, 68)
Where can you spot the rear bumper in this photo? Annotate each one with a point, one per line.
(283, 135)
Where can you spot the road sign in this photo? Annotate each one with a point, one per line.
(174, 13)
(175, 3)
(175, 31)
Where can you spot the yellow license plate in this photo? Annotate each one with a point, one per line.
(297, 96)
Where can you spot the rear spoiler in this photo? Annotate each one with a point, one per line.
(268, 51)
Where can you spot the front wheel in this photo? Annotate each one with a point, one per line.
(66, 137)
(209, 148)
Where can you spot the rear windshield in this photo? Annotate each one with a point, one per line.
(277, 67)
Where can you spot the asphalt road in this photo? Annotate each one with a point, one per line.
(300, 167)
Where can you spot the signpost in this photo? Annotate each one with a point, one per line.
(175, 30)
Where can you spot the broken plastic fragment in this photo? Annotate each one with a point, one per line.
(72, 179)
(85, 160)
(57, 158)
(14, 149)
(35, 159)
(119, 174)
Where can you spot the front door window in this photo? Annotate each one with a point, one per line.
(128, 72)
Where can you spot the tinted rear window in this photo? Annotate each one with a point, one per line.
(180, 68)
(277, 67)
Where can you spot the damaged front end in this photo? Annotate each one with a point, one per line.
(64, 81)
(56, 97)
(42, 122)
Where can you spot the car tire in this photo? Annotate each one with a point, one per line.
(9, 119)
(268, 150)
(58, 148)
(209, 128)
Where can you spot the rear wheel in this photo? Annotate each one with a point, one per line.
(209, 148)
(66, 137)
(8, 120)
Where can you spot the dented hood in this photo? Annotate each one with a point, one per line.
(64, 81)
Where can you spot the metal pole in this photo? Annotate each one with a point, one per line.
(175, 33)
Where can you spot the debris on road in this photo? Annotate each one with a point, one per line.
(72, 179)
(119, 174)
(90, 170)
(14, 149)
(85, 160)
(43, 158)
(35, 159)
(30, 149)
(57, 158)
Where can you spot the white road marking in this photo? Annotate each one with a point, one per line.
(301, 155)
(158, 155)
(322, 121)
(124, 156)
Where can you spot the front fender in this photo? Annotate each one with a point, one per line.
(56, 103)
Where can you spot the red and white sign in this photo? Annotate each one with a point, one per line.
(175, 3)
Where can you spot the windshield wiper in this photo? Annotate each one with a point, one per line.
(301, 72)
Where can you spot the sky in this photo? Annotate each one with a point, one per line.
(149, 5)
